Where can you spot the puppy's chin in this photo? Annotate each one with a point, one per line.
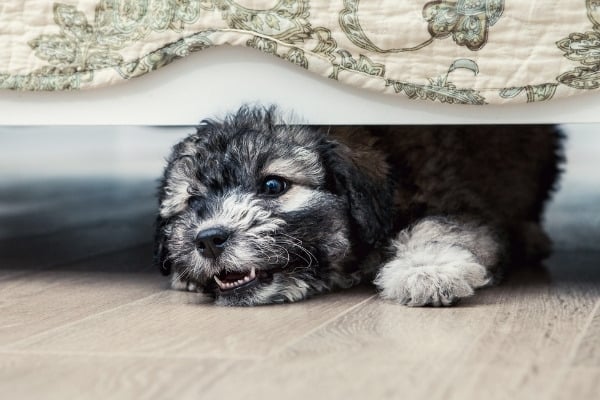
(268, 287)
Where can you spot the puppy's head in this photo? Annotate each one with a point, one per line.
(258, 212)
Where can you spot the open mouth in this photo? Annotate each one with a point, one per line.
(230, 282)
(234, 280)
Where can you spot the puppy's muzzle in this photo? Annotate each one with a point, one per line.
(211, 242)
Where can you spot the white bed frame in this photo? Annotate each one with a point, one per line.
(220, 79)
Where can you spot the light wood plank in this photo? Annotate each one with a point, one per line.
(525, 350)
(47, 376)
(587, 353)
(175, 323)
(37, 301)
(378, 350)
(580, 375)
(508, 342)
(579, 383)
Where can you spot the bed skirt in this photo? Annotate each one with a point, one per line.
(463, 51)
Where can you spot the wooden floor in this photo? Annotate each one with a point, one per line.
(84, 315)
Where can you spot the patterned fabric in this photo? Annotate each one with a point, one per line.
(449, 51)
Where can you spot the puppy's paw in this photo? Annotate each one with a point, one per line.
(186, 285)
(435, 284)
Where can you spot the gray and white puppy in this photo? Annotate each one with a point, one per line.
(254, 211)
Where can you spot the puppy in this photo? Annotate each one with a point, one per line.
(253, 211)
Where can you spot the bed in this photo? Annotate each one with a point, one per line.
(343, 61)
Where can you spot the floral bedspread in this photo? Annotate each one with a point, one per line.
(449, 51)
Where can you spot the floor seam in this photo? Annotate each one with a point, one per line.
(123, 354)
(32, 338)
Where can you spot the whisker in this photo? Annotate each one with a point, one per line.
(270, 253)
(295, 242)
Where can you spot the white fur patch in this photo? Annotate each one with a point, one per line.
(253, 228)
(431, 268)
(302, 167)
(181, 184)
(297, 198)
(242, 213)
(176, 199)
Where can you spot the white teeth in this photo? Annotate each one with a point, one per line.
(221, 284)
(239, 282)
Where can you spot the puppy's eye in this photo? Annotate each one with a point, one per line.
(274, 186)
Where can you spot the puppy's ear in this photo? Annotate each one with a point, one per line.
(361, 173)
(161, 256)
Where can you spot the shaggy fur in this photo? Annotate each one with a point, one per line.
(253, 211)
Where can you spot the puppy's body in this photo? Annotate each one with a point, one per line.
(254, 212)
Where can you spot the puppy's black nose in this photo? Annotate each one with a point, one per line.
(210, 242)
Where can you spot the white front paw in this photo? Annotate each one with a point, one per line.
(435, 285)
